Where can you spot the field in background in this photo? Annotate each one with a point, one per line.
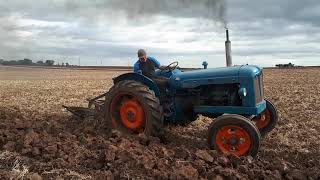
(38, 138)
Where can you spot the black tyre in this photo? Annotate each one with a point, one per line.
(234, 134)
(132, 107)
(267, 120)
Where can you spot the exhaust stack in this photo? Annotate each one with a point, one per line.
(228, 50)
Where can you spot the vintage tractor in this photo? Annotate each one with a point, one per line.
(232, 96)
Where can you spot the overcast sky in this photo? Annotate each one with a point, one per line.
(109, 32)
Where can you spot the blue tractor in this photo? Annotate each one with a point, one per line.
(232, 96)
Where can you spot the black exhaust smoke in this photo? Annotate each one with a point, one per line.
(214, 10)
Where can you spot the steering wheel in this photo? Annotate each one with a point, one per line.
(170, 67)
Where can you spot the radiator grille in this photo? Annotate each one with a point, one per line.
(258, 88)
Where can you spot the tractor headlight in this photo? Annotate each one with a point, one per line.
(242, 92)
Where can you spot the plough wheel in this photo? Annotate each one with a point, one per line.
(132, 107)
(234, 134)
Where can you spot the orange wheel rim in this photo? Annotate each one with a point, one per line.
(263, 120)
(233, 140)
(126, 111)
(132, 114)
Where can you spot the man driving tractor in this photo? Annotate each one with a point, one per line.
(147, 66)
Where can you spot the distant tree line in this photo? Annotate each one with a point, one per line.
(290, 65)
(27, 62)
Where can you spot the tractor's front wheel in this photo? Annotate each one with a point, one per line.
(132, 107)
(268, 119)
(234, 134)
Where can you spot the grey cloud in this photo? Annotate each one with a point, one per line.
(292, 11)
(259, 29)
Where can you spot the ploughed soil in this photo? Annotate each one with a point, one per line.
(39, 140)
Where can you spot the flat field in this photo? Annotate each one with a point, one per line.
(38, 139)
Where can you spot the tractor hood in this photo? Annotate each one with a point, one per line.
(225, 75)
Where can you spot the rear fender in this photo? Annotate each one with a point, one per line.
(139, 78)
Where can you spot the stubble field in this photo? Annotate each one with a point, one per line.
(38, 139)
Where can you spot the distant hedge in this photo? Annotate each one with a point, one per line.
(27, 62)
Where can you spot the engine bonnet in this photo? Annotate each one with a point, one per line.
(222, 75)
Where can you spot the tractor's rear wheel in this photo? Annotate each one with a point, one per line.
(234, 134)
(133, 108)
(267, 120)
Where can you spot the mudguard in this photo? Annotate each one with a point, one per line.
(140, 78)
